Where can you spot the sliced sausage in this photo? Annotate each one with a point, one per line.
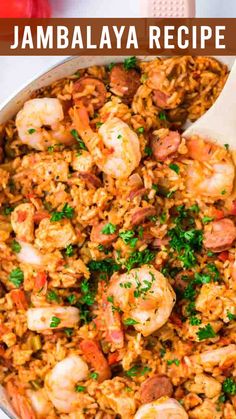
(166, 146)
(155, 387)
(157, 243)
(94, 92)
(94, 356)
(137, 192)
(160, 99)
(141, 214)
(90, 179)
(220, 236)
(98, 236)
(123, 82)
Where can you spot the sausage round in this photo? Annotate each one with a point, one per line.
(155, 387)
(97, 97)
(166, 146)
(141, 214)
(98, 237)
(123, 82)
(221, 235)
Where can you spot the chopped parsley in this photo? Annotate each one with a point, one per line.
(130, 62)
(16, 277)
(109, 228)
(81, 144)
(163, 218)
(231, 316)
(108, 266)
(31, 130)
(99, 124)
(16, 247)
(211, 267)
(80, 389)
(223, 192)
(141, 290)
(174, 167)
(52, 296)
(119, 136)
(71, 298)
(139, 258)
(8, 210)
(226, 146)
(155, 187)
(128, 238)
(94, 375)
(130, 322)
(195, 208)
(173, 361)
(206, 219)
(186, 242)
(137, 370)
(162, 116)
(68, 331)
(229, 386)
(110, 66)
(66, 212)
(69, 250)
(148, 151)
(162, 352)
(55, 321)
(140, 130)
(194, 321)
(206, 332)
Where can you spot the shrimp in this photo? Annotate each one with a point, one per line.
(211, 173)
(35, 116)
(163, 408)
(115, 147)
(40, 402)
(144, 295)
(61, 381)
(50, 318)
(29, 254)
(222, 356)
(19, 402)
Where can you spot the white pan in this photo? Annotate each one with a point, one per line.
(9, 109)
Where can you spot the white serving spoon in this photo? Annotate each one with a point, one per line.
(218, 124)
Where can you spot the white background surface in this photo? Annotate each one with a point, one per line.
(16, 71)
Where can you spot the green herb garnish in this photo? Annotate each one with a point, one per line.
(109, 228)
(31, 130)
(52, 296)
(130, 62)
(229, 386)
(206, 332)
(139, 258)
(16, 277)
(128, 238)
(130, 322)
(174, 167)
(206, 219)
(173, 361)
(16, 247)
(66, 212)
(81, 144)
(55, 321)
(69, 250)
(80, 389)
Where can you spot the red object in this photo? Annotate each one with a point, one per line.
(40, 281)
(223, 256)
(218, 214)
(19, 299)
(25, 8)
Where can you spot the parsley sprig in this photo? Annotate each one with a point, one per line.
(66, 212)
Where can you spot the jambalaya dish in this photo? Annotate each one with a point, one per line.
(117, 239)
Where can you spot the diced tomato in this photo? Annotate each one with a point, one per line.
(223, 256)
(217, 214)
(113, 358)
(40, 281)
(19, 299)
(40, 215)
(21, 216)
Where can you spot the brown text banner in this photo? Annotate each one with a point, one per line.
(111, 36)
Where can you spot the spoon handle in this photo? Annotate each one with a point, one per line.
(168, 8)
